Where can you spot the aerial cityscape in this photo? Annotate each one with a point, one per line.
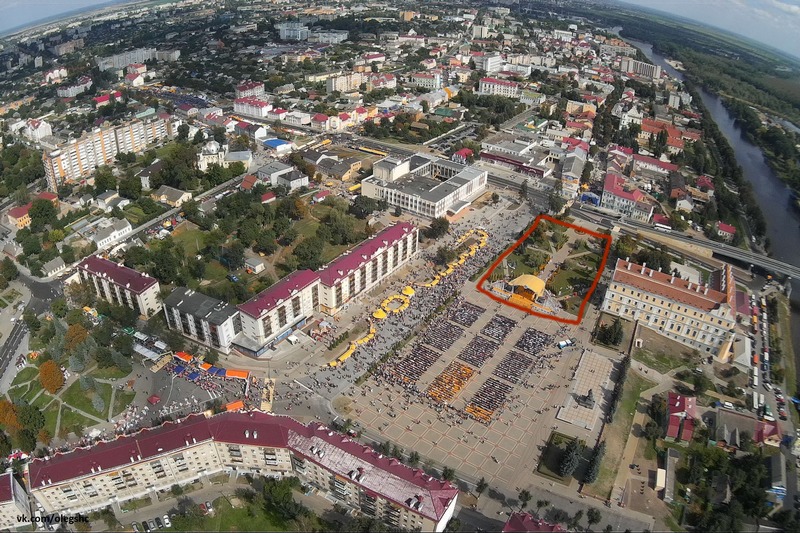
(519, 266)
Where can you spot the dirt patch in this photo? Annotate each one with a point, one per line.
(342, 404)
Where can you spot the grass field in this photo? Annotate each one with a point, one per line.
(228, 518)
(25, 375)
(551, 457)
(307, 227)
(122, 400)
(616, 435)
(80, 399)
(51, 417)
(191, 237)
(111, 372)
(134, 214)
(70, 419)
(660, 353)
(215, 271)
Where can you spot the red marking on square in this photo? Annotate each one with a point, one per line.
(514, 246)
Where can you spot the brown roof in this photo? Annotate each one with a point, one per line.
(668, 286)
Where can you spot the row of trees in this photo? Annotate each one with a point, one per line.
(616, 394)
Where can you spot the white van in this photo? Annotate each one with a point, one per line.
(293, 340)
(727, 405)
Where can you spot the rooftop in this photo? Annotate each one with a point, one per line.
(668, 286)
(118, 274)
(270, 298)
(197, 304)
(342, 266)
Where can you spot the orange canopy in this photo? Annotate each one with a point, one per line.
(235, 406)
(183, 356)
(205, 366)
(241, 374)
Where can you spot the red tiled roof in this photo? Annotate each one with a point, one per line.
(679, 290)
(20, 211)
(688, 430)
(267, 197)
(6, 487)
(341, 267)
(322, 194)
(248, 182)
(118, 274)
(132, 76)
(101, 99)
(495, 81)
(319, 117)
(673, 427)
(726, 228)
(464, 152)
(47, 195)
(679, 404)
(661, 219)
(251, 100)
(527, 523)
(656, 162)
(249, 85)
(614, 184)
(282, 291)
(360, 110)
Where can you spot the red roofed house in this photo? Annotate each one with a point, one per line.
(527, 523)
(134, 79)
(658, 218)
(705, 183)
(622, 198)
(726, 231)
(651, 163)
(248, 182)
(268, 197)
(366, 265)
(138, 68)
(197, 447)
(100, 101)
(19, 216)
(462, 156)
(698, 316)
(681, 411)
(493, 86)
(321, 195)
(250, 88)
(121, 285)
(14, 505)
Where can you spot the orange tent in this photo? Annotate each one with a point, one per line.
(241, 374)
(205, 366)
(183, 356)
(235, 406)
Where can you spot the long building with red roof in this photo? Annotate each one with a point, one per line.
(14, 506)
(121, 285)
(235, 443)
(699, 316)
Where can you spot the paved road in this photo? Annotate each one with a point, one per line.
(9, 349)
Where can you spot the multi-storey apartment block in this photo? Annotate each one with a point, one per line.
(121, 285)
(493, 86)
(203, 319)
(178, 453)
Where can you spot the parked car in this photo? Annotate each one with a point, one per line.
(167, 521)
(208, 506)
(145, 527)
(152, 525)
(159, 523)
(135, 527)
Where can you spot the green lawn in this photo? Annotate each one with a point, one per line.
(660, 361)
(215, 271)
(566, 279)
(82, 400)
(18, 392)
(191, 237)
(111, 372)
(551, 457)
(307, 227)
(134, 214)
(70, 419)
(122, 400)
(42, 400)
(331, 252)
(51, 417)
(227, 518)
(34, 388)
(26, 374)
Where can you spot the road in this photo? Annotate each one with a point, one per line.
(9, 348)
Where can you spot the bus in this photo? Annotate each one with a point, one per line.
(755, 377)
(756, 405)
(372, 151)
(662, 227)
(354, 188)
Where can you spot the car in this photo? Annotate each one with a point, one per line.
(145, 527)
(203, 509)
(209, 507)
(135, 527)
(233, 277)
(167, 521)
(159, 523)
(152, 525)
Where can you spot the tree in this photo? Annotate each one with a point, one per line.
(26, 440)
(130, 188)
(413, 458)
(81, 294)
(593, 470)
(524, 498)
(308, 253)
(523, 190)
(555, 201)
(59, 307)
(31, 320)
(593, 516)
(575, 520)
(438, 228)
(448, 474)
(481, 486)
(540, 504)
(99, 404)
(444, 255)
(42, 212)
(495, 198)
(183, 132)
(571, 458)
(8, 269)
(51, 377)
(104, 180)
(199, 137)
(75, 335)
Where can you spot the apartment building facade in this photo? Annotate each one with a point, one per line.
(252, 106)
(628, 201)
(698, 316)
(14, 507)
(367, 265)
(493, 86)
(121, 285)
(196, 447)
(203, 319)
(250, 88)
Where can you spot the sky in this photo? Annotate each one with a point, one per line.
(773, 22)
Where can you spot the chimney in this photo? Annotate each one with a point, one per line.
(643, 266)
(247, 433)
(629, 266)
(689, 287)
(705, 291)
(672, 279)
(255, 434)
(651, 272)
(628, 259)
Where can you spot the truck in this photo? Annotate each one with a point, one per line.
(567, 342)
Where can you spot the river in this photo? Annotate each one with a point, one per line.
(772, 194)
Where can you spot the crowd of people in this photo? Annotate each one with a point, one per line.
(478, 351)
(513, 367)
(490, 397)
(464, 313)
(534, 341)
(450, 382)
(499, 327)
(442, 335)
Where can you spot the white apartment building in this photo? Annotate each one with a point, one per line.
(36, 129)
(78, 158)
(196, 447)
(202, 319)
(328, 36)
(252, 106)
(14, 503)
(293, 31)
(250, 88)
(425, 185)
(344, 83)
(138, 55)
(82, 85)
(493, 86)
(698, 316)
(624, 199)
(114, 232)
(275, 312)
(366, 265)
(490, 62)
(640, 68)
(428, 80)
(121, 285)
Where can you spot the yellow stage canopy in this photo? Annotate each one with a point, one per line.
(530, 282)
